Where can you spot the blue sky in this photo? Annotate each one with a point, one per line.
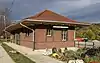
(81, 10)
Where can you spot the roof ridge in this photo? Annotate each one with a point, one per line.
(57, 14)
(41, 13)
(37, 14)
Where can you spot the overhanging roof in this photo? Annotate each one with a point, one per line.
(31, 21)
(13, 27)
(45, 17)
(53, 22)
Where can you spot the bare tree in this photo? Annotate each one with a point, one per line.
(4, 20)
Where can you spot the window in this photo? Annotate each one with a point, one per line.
(49, 32)
(64, 35)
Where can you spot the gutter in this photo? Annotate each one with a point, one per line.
(74, 23)
(33, 34)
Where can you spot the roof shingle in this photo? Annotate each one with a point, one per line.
(50, 15)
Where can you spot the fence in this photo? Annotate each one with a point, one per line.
(85, 44)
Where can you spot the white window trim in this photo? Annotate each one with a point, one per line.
(64, 32)
(74, 34)
(49, 33)
(64, 40)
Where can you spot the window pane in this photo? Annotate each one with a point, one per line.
(64, 35)
(49, 32)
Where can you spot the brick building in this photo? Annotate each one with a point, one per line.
(46, 29)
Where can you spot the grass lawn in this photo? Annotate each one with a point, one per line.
(17, 57)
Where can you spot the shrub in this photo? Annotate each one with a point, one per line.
(65, 49)
(87, 54)
(99, 49)
(69, 54)
(88, 59)
(91, 52)
(82, 55)
(63, 58)
(59, 50)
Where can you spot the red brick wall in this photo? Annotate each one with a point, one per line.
(43, 41)
(26, 40)
(49, 39)
(70, 35)
(40, 35)
(53, 44)
(57, 36)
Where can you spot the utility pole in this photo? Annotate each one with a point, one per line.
(6, 21)
(5, 34)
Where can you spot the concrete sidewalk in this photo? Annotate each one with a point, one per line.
(36, 56)
(4, 57)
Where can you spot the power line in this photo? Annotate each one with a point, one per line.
(11, 5)
(5, 16)
(9, 10)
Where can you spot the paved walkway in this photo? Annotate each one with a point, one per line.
(36, 56)
(4, 57)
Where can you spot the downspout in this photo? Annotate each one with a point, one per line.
(74, 37)
(33, 34)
